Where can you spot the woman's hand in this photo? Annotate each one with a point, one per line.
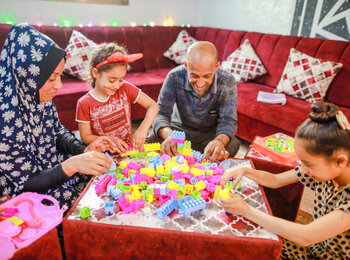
(89, 163)
(235, 205)
(121, 146)
(235, 173)
(138, 138)
(102, 144)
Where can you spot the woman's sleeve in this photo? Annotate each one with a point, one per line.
(44, 180)
(69, 144)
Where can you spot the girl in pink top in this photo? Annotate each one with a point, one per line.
(106, 109)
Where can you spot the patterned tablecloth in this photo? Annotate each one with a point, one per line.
(212, 220)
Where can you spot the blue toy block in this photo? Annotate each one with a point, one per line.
(114, 166)
(183, 200)
(225, 163)
(110, 188)
(174, 169)
(163, 189)
(180, 159)
(109, 210)
(191, 206)
(154, 159)
(194, 180)
(120, 182)
(166, 208)
(116, 193)
(180, 181)
(197, 155)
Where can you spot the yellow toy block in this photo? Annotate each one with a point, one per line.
(200, 185)
(150, 198)
(189, 188)
(149, 171)
(134, 188)
(130, 197)
(217, 192)
(130, 152)
(17, 221)
(124, 163)
(225, 194)
(184, 168)
(179, 197)
(187, 152)
(131, 172)
(152, 147)
(196, 171)
(160, 169)
(137, 194)
(150, 154)
(172, 185)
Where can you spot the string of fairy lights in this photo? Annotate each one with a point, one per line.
(114, 23)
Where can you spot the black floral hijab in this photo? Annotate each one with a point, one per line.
(29, 128)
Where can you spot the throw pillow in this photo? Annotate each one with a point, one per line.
(306, 77)
(177, 51)
(244, 64)
(78, 54)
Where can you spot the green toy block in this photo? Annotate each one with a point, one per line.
(150, 190)
(108, 171)
(145, 194)
(167, 174)
(239, 185)
(138, 154)
(164, 179)
(181, 191)
(123, 188)
(209, 172)
(84, 212)
(180, 150)
(196, 194)
(143, 185)
(229, 185)
(120, 169)
(120, 176)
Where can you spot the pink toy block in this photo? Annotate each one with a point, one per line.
(188, 175)
(137, 204)
(123, 203)
(172, 193)
(163, 199)
(214, 179)
(10, 212)
(178, 175)
(202, 167)
(165, 157)
(128, 183)
(112, 182)
(101, 186)
(211, 187)
(205, 194)
(157, 191)
(134, 166)
(125, 171)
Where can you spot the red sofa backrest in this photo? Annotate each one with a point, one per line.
(273, 50)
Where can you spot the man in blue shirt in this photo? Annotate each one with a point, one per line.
(200, 99)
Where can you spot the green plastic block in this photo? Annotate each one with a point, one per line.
(150, 190)
(196, 194)
(145, 194)
(84, 212)
(143, 185)
(120, 176)
(229, 185)
(209, 172)
(138, 154)
(120, 169)
(180, 150)
(164, 179)
(181, 191)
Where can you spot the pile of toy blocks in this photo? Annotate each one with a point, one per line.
(181, 182)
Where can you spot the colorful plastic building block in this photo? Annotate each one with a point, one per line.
(109, 210)
(84, 212)
(101, 186)
(166, 208)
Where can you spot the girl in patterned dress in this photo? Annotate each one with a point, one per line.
(322, 143)
(35, 148)
(106, 109)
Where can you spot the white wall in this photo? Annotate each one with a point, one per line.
(266, 16)
(139, 11)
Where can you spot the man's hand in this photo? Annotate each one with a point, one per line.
(169, 147)
(102, 144)
(215, 150)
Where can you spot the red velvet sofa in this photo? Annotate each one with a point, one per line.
(254, 118)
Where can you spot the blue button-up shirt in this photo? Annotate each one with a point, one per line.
(180, 104)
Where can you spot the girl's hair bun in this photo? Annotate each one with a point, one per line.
(323, 112)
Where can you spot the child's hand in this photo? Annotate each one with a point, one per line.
(236, 205)
(235, 173)
(102, 144)
(121, 145)
(138, 138)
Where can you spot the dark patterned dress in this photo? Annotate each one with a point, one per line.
(28, 128)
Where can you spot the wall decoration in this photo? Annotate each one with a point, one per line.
(329, 19)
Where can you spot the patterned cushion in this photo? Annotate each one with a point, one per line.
(244, 64)
(306, 77)
(78, 51)
(177, 51)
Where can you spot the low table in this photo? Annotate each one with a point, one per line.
(284, 201)
(205, 234)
